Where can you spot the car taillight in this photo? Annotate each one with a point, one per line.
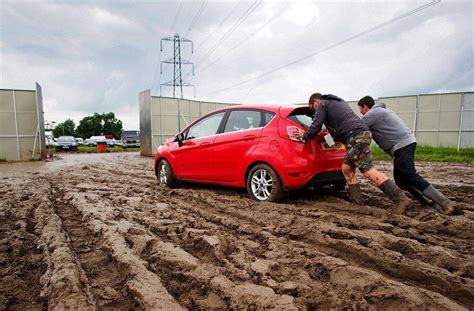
(290, 130)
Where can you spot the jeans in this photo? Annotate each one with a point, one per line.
(404, 171)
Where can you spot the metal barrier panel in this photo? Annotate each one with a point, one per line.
(449, 120)
(39, 110)
(145, 123)
(466, 137)
(8, 129)
(406, 110)
(428, 120)
(207, 107)
(20, 130)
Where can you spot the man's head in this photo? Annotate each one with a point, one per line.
(314, 100)
(365, 104)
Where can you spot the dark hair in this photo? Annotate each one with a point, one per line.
(366, 101)
(314, 96)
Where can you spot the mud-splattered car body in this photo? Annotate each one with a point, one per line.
(251, 146)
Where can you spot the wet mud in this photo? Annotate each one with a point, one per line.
(96, 232)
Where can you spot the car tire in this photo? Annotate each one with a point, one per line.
(264, 184)
(165, 174)
(339, 186)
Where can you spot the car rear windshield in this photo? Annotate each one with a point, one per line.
(66, 139)
(303, 116)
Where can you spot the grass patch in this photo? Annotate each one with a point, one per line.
(425, 153)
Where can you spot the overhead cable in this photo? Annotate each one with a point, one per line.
(372, 29)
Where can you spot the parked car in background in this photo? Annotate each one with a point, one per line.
(98, 139)
(79, 141)
(252, 147)
(110, 140)
(49, 139)
(89, 142)
(130, 138)
(66, 143)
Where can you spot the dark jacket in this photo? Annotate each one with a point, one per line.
(338, 117)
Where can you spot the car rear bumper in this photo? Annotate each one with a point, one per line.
(130, 144)
(305, 172)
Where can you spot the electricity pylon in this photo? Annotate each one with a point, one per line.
(177, 81)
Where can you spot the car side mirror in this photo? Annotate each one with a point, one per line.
(179, 138)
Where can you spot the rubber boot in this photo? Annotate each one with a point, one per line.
(448, 206)
(396, 195)
(417, 195)
(356, 194)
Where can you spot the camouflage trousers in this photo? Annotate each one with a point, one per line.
(358, 151)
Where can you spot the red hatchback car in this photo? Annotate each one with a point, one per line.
(251, 146)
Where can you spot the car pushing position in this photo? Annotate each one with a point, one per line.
(252, 147)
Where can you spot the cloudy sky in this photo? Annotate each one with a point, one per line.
(96, 56)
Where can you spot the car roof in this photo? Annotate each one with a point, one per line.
(284, 109)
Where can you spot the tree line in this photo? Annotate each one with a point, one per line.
(94, 125)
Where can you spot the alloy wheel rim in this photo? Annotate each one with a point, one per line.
(163, 174)
(261, 184)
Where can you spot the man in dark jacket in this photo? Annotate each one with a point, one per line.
(343, 124)
(396, 139)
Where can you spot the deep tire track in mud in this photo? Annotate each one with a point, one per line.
(20, 261)
(104, 275)
(106, 228)
(356, 253)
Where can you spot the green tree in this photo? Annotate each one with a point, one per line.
(99, 124)
(65, 128)
(111, 125)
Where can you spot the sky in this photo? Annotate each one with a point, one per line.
(96, 56)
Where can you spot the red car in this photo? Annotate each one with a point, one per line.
(251, 146)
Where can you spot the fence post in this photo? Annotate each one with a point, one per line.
(161, 121)
(439, 120)
(460, 121)
(416, 117)
(16, 126)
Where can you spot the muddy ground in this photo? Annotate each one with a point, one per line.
(95, 231)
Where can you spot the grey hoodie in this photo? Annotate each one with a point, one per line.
(388, 130)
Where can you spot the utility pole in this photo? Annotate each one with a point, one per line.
(177, 61)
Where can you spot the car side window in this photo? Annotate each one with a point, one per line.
(240, 120)
(268, 116)
(206, 127)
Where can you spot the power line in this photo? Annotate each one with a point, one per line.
(176, 16)
(234, 27)
(196, 18)
(156, 73)
(278, 14)
(372, 29)
(219, 26)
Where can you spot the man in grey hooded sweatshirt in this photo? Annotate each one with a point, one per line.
(394, 137)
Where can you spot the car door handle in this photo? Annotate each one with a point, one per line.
(204, 144)
(249, 137)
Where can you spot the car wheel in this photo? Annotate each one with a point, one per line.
(339, 186)
(165, 174)
(264, 184)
